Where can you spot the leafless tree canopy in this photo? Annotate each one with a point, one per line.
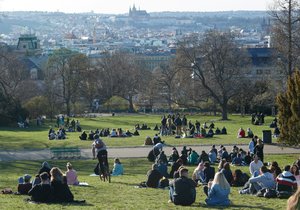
(216, 64)
(286, 32)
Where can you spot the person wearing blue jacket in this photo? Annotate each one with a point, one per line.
(118, 168)
(218, 191)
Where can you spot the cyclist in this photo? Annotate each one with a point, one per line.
(99, 148)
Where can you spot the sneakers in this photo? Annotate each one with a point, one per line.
(245, 191)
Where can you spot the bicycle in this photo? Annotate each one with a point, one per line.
(104, 173)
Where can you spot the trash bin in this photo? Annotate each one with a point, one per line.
(267, 136)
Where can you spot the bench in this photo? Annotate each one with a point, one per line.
(65, 152)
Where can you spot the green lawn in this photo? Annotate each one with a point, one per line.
(121, 193)
(36, 137)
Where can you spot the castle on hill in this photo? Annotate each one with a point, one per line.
(137, 13)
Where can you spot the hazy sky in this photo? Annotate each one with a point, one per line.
(121, 6)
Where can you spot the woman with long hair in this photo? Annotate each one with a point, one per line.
(295, 172)
(61, 190)
(218, 191)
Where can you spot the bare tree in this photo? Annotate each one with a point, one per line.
(123, 76)
(286, 17)
(67, 67)
(216, 64)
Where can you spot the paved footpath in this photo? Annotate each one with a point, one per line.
(129, 152)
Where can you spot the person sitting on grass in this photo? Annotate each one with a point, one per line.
(249, 133)
(241, 133)
(217, 191)
(42, 192)
(203, 157)
(224, 131)
(209, 173)
(198, 174)
(255, 165)
(193, 158)
(83, 136)
(91, 135)
(113, 133)
(71, 175)
(218, 131)
(210, 133)
(24, 184)
(286, 181)
(264, 180)
(61, 191)
(175, 167)
(182, 189)
(128, 133)
(212, 156)
(174, 156)
(239, 178)
(237, 161)
(227, 172)
(153, 177)
(156, 139)
(118, 168)
(136, 133)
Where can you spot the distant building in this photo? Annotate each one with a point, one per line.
(134, 13)
(152, 60)
(28, 43)
(264, 65)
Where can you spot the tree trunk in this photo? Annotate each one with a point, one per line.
(224, 111)
(68, 107)
(131, 108)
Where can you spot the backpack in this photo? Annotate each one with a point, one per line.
(270, 193)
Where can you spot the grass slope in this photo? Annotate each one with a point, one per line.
(36, 137)
(121, 193)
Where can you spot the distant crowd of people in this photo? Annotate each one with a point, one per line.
(181, 127)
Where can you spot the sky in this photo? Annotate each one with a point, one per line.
(122, 6)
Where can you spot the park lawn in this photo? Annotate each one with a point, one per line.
(121, 193)
(37, 137)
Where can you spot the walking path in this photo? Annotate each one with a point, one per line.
(130, 152)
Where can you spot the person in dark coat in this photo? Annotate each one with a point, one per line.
(43, 191)
(154, 177)
(208, 172)
(183, 189)
(60, 189)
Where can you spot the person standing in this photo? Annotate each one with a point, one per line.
(259, 150)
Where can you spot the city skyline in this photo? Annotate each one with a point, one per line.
(122, 6)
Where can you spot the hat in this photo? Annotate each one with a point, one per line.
(21, 180)
(45, 164)
(27, 177)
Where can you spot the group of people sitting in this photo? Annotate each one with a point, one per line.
(107, 133)
(156, 139)
(257, 118)
(59, 135)
(49, 185)
(217, 185)
(141, 127)
(243, 134)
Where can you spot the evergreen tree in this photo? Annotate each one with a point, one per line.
(289, 111)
